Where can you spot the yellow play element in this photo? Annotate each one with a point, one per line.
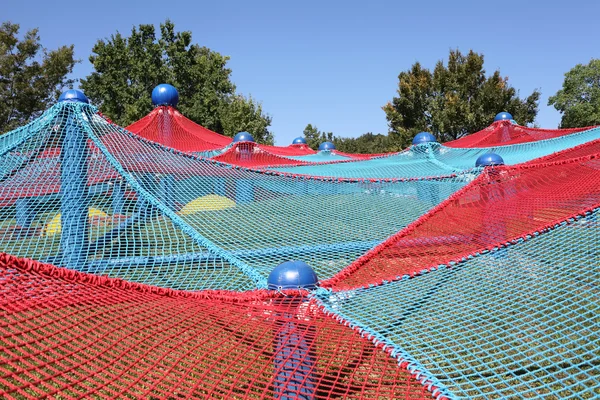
(211, 202)
(53, 227)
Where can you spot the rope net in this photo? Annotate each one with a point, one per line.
(433, 159)
(503, 133)
(65, 334)
(167, 126)
(112, 203)
(502, 204)
(516, 322)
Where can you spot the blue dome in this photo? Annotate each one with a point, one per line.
(292, 275)
(326, 146)
(299, 140)
(489, 159)
(424, 137)
(503, 116)
(165, 95)
(243, 137)
(74, 95)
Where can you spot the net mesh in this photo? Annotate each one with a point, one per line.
(504, 133)
(118, 205)
(133, 341)
(486, 288)
(433, 159)
(167, 126)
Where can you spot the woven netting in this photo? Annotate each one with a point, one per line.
(252, 155)
(502, 204)
(64, 334)
(517, 322)
(438, 160)
(167, 126)
(113, 203)
(504, 133)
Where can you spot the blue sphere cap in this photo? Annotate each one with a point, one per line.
(299, 140)
(74, 95)
(326, 146)
(292, 275)
(503, 116)
(489, 159)
(243, 137)
(424, 137)
(165, 95)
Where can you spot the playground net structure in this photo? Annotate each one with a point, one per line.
(487, 290)
(85, 194)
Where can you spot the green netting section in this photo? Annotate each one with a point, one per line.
(80, 192)
(321, 156)
(437, 160)
(519, 322)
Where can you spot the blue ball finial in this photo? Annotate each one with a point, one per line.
(424, 137)
(74, 95)
(292, 275)
(503, 116)
(165, 95)
(243, 137)
(489, 159)
(299, 140)
(326, 146)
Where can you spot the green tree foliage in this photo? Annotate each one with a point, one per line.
(245, 114)
(368, 143)
(314, 137)
(128, 68)
(453, 101)
(579, 99)
(31, 77)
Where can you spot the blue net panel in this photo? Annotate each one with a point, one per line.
(518, 322)
(82, 193)
(433, 159)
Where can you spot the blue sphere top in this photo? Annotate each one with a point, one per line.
(299, 140)
(165, 95)
(292, 275)
(503, 116)
(489, 159)
(243, 137)
(424, 137)
(326, 146)
(74, 95)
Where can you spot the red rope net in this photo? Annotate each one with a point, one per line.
(249, 154)
(167, 126)
(503, 133)
(74, 335)
(502, 204)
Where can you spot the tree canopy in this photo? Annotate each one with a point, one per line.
(314, 137)
(579, 99)
(454, 100)
(31, 77)
(128, 68)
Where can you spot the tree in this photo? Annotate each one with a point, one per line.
(128, 68)
(31, 77)
(314, 137)
(245, 114)
(579, 99)
(453, 101)
(367, 143)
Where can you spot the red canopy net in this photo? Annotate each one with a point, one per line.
(502, 133)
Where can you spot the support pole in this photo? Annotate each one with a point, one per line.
(74, 200)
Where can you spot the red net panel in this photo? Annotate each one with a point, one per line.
(249, 154)
(291, 150)
(502, 204)
(167, 126)
(65, 334)
(583, 150)
(503, 133)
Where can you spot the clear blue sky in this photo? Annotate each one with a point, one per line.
(335, 63)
